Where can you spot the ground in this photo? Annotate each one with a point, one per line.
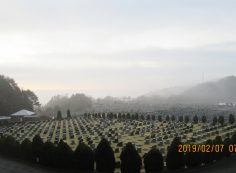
(14, 166)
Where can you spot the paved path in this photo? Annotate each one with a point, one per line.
(12, 166)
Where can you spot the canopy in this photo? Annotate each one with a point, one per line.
(23, 112)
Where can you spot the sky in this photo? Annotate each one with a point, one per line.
(117, 48)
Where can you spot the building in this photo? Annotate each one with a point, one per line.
(24, 115)
(4, 120)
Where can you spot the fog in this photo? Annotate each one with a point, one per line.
(116, 48)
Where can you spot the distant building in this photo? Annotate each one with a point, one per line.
(4, 120)
(23, 115)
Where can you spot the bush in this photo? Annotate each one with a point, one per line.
(131, 162)
(83, 158)
(153, 161)
(104, 157)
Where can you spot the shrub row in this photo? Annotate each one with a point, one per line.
(85, 159)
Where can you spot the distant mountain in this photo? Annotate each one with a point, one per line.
(167, 92)
(223, 90)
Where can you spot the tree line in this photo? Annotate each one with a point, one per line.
(85, 159)
(135, 116)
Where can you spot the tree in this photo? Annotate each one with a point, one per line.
(37, 145)
(26, 150)
(221, 120)
(13, 99)
(32, 97)
(63, 155)
(214, 121)
(84, 158)
(68, 113)
(181, 119)
(104, 157)
(193, 159)
(217, 141)
(227, 143)
(195, 119)
(233, 139)
(208, 156)
(130, 159)
(167, 118)
(174, 159)
(172, 118)
(59, 115)
(186, 119)
(204, 119)
(47, 154)
(231, 119)
(159, 118)
(153, 161)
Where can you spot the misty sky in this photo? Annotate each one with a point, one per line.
(118, 48)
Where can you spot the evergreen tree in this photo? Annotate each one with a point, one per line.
(218, 141)
(68, 113)
(167, 118)
(214, 121)
(186, 119)
(153, 161)
(231, 119)
(37, 145)
(130, 159)
(63, 155)
(26, 150)
(174, 159)
(195, 119)
(208, 156)
(104, 157)
(193, 159)
(227, 143)
(204, 119)
(84, 158)
(221, 120)
(47, 154)
(59, 115)
(181, 119)
(159, 118)
(173, 118)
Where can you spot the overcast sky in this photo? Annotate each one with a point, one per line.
(117, 48)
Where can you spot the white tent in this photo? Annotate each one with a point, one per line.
(23, 113)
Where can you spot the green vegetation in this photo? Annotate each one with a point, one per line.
(12, 98)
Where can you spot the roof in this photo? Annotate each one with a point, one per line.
(4, 118)
(23, 112)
